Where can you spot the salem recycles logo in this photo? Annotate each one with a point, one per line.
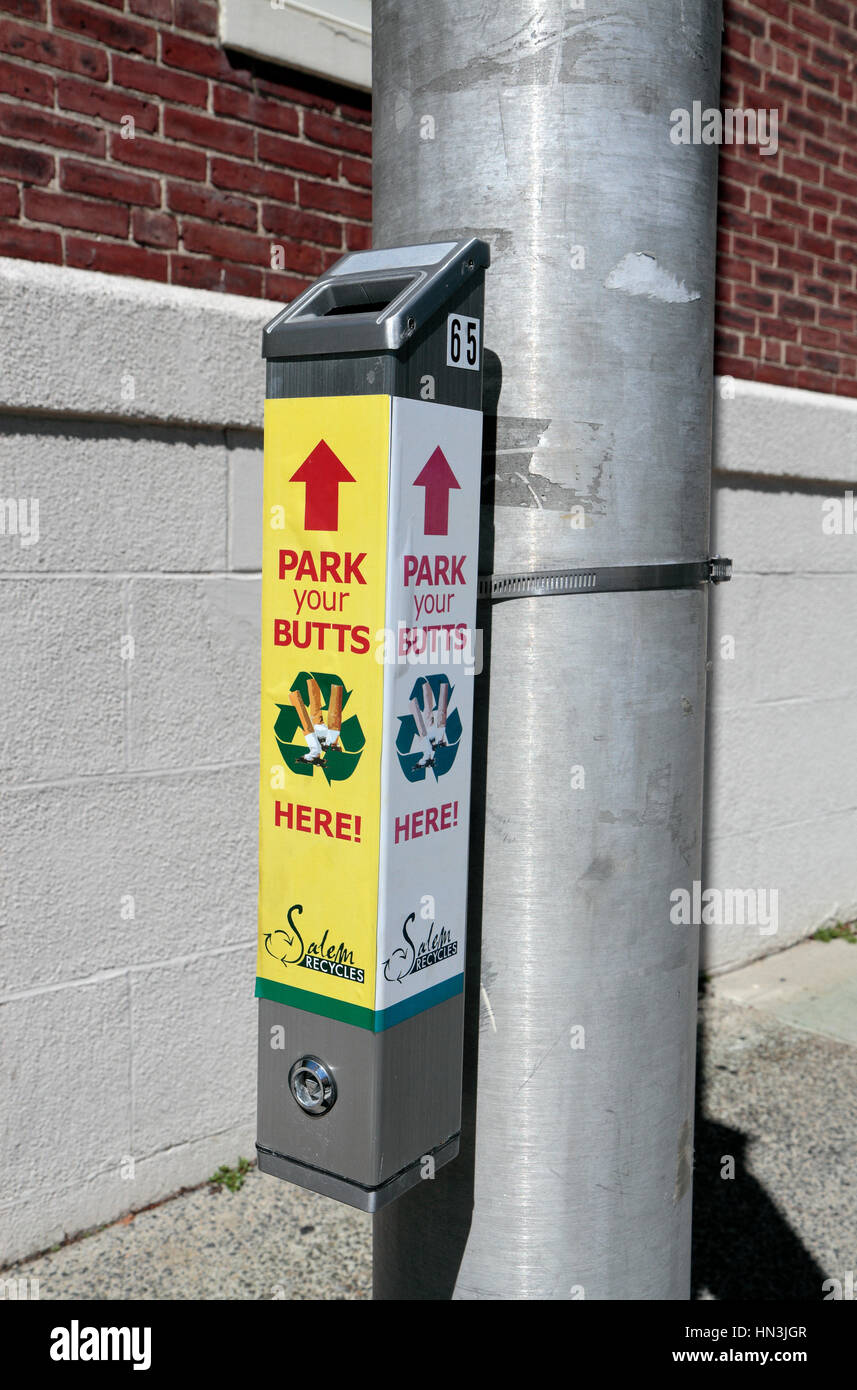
(420, 951)
(329, 958)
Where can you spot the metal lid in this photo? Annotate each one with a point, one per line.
(373, 301)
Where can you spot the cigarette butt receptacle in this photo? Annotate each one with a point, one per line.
(373, 433)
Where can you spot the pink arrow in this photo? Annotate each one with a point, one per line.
(322, 472)
(437, 478)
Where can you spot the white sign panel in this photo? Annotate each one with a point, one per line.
(432, 544)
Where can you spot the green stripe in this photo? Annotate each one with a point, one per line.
(356, 1014)
(315, 1003)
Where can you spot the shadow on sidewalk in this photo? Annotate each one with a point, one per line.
(742, 1245)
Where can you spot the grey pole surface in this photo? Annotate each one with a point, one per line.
(546, 131)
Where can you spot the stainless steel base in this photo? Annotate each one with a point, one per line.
(398, 1100)
(364, 1198)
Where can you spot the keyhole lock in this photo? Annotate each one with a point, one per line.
(312, 1086)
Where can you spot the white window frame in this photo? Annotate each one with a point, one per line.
(331, 38)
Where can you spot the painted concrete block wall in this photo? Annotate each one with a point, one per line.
(782, 766)
(129, 645)
(128, 775)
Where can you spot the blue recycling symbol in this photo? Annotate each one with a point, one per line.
(436, 750)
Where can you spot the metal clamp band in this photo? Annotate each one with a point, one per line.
(605, 579)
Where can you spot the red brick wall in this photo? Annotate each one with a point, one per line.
(787, 293)
(229, 157)
(232, 157)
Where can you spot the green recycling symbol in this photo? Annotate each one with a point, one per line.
(312, 731)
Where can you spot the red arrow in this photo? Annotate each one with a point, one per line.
(322, 472)
(437, 478)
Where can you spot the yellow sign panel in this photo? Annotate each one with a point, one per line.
(323, 602)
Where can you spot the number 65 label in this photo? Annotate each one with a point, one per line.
(462, 342)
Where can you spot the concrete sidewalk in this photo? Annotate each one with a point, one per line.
(269, 1240)
(778, 1091)
(778, 1095)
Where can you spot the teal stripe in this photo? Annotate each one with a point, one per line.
(356, 1014)
(418, 1003)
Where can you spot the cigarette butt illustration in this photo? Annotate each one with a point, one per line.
(418, 718)
(315, 714)
(440, 716)
(424, 738)
(334, 715)
(310, 735)
(430, 713)
(303, 715)
(314, 701)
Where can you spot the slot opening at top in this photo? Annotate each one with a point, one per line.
(371, 296)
